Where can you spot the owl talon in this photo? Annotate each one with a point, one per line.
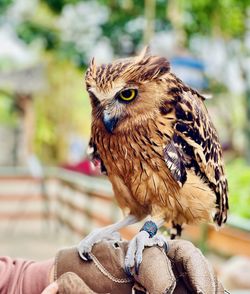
(137, 244)
(85, 246)
(165, 247)
(84, 253)
(128, 272)
(87, 256)
(137, 267)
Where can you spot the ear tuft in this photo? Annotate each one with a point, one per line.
(145, 52)
(91, 72)
(92, 65)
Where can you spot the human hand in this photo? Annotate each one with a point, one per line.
(51, 289)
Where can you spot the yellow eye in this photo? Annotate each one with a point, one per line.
(127, 95)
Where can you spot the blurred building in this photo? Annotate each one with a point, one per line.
(16, 140)
(21, 76)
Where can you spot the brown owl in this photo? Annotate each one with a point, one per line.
(157, 144)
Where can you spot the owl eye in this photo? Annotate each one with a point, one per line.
(127, 95)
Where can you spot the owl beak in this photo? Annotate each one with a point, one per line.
(109, 122)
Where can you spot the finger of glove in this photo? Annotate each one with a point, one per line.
(70, 283)
(193, 266)
(156, 273)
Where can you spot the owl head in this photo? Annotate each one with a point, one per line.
(127, 92)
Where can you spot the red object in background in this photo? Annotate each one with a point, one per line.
(84, 167)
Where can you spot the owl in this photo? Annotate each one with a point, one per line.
(154, 139)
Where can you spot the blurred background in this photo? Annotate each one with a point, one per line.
(50, 196)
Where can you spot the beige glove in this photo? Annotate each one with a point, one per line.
(193, 273)
(183, 270)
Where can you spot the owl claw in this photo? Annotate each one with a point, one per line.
(85, 256)
(84, 251)
(165, 247)
(137, 244)
(137, 267)
(85, 246)
(128, 272)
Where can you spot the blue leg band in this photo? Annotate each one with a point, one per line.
(150, 227)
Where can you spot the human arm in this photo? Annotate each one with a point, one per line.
(24, 276)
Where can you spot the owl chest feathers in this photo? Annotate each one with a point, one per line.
(141, 180)
(135, 160)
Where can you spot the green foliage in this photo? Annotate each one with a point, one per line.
(57, 5)
(4, 4)
(64, 108)
(61, 111)
(7, 114)
(225, 17)
(67, 51)
(113, 29)
(121, 15)
(238, 173)
(29, 31)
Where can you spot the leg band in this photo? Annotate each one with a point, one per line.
(150, 227)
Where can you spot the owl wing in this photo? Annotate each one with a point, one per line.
(195, 146)
(174, 161)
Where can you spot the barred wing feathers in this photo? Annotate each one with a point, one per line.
(196, 143)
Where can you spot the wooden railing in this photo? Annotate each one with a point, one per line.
(76, 202)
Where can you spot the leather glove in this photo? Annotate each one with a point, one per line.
(182, 270)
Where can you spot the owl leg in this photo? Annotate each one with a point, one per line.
(175, 230)
(109, 232)
(145, 238)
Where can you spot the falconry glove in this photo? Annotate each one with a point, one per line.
(182, 270)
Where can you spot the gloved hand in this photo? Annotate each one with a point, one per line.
(182, 270)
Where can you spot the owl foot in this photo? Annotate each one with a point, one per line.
(85, 246)
(109, 233)
(136, 246)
